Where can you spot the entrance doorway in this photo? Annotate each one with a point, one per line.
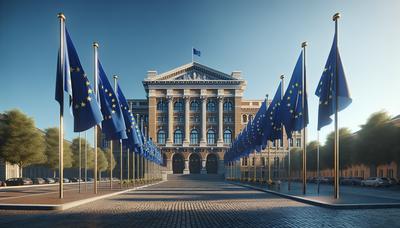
(178, 164)
(212, 164)
(194, 163)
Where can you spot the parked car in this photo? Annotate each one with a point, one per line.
(351, 181)
(89, 179)
(38, 180)
(18, 181)
(374, 181)
(66, 180)
(388, 181)
(49, 180)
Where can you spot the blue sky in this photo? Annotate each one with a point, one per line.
(260, 38)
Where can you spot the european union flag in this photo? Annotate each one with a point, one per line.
(63, 79)
(113, 125)
(328, 90)
(259, 119)
(133, 141)
(196, 52)
(85, 109)
(294, 116)
(272, 128)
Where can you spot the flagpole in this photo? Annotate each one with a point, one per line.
(61, 130)
(192, 53)
(80, 162)
(289, 171)
(278, 142)
(336, 143)
(86, 147)
(111, 174)
(95, 47)
(133, 156)
(304, 136)
(127, 170)
(318, 174)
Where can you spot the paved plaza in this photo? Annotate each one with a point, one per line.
(192, 201)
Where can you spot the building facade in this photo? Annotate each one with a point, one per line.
(193, 113)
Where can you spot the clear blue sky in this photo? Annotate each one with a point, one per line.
(260, 38)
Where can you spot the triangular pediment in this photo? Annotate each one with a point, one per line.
(193, 72)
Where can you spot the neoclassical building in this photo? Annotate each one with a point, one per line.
(193, 113)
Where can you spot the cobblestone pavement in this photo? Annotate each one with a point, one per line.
(200, 203)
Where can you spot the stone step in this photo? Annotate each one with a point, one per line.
(206, 177)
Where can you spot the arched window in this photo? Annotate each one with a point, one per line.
(178, 137)
(178, 106)
(194, 136)
(228, 106)
(194, 106)
(161, 137)
(227, 136)
(244, 118)
(211, 136)
(161, 106)
(211, 106)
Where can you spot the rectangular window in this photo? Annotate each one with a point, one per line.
(298, 142)
(291, 142)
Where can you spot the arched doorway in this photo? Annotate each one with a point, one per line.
(212, 164)
(194, 163)
(178, 163)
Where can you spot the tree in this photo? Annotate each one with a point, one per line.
(52, 150)
(21, 143)
(345, 149)
(75, 153)
(107, 155)
(102, 162)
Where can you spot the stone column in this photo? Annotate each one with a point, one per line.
(203, 167)
(187, 117)
(186, 170)
(203, 119)
(170, 119)
(220, 141)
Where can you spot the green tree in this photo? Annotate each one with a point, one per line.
(21, 142)
(102, 162)
(75, 153)
(107, 154)
(345, 149)
(52, 150)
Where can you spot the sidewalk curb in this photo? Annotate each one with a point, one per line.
(69, 205)
(321, 203)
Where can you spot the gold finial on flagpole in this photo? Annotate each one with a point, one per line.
(336, 16)
(95, 44)
(61, 15)
(282, 76)
(304, 44)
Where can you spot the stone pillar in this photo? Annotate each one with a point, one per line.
(220, 141)
(203, 120)
(187, 117)
(186, 170)
(170, 119)
(203, 167)
(169, 166)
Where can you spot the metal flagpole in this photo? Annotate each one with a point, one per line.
(80, 162)
(336, 144)
(120, 162)
(304, 137)
(61, 133)
(133, 167)
(95, 47)
(269, 164)
(127, 166)
(192, 53)
(111, 174)
(277, 142)
(289, 171)
(318, 174)
(255, 167)
(86, 158)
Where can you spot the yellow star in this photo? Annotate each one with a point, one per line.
(113, 111)
(87, 83)
(113, 105)
(89, 91)
(110, 94)
(89, 98)
(83, 104)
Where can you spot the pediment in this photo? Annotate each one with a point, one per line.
(193, 72)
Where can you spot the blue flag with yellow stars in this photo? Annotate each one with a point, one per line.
(327, 89)
(272, 128)
(113, 125)
(63, 78)
(132, 141)
(259, 119)
(85, 108)
(294, 115)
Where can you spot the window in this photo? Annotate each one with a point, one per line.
(244, 118)
(263, 161)
(211, 106)
(212, 119)
(161, 137)
(194, 106)
(194, 136)
(390, 173)
(298, 142)
(291, 142)
(178, 137)
(280, 143)
(211, 136)
(253, 161)
(228, 106)
(227, 136)
(250, 117)
(161, 106)
(227, 119)
(244, 161)
(178, 106)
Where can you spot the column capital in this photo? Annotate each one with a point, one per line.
(203, 98)
(220, 98)
(169, 98)
(186, 97)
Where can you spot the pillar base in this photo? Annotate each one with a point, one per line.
(186, 171)
(203, 171)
